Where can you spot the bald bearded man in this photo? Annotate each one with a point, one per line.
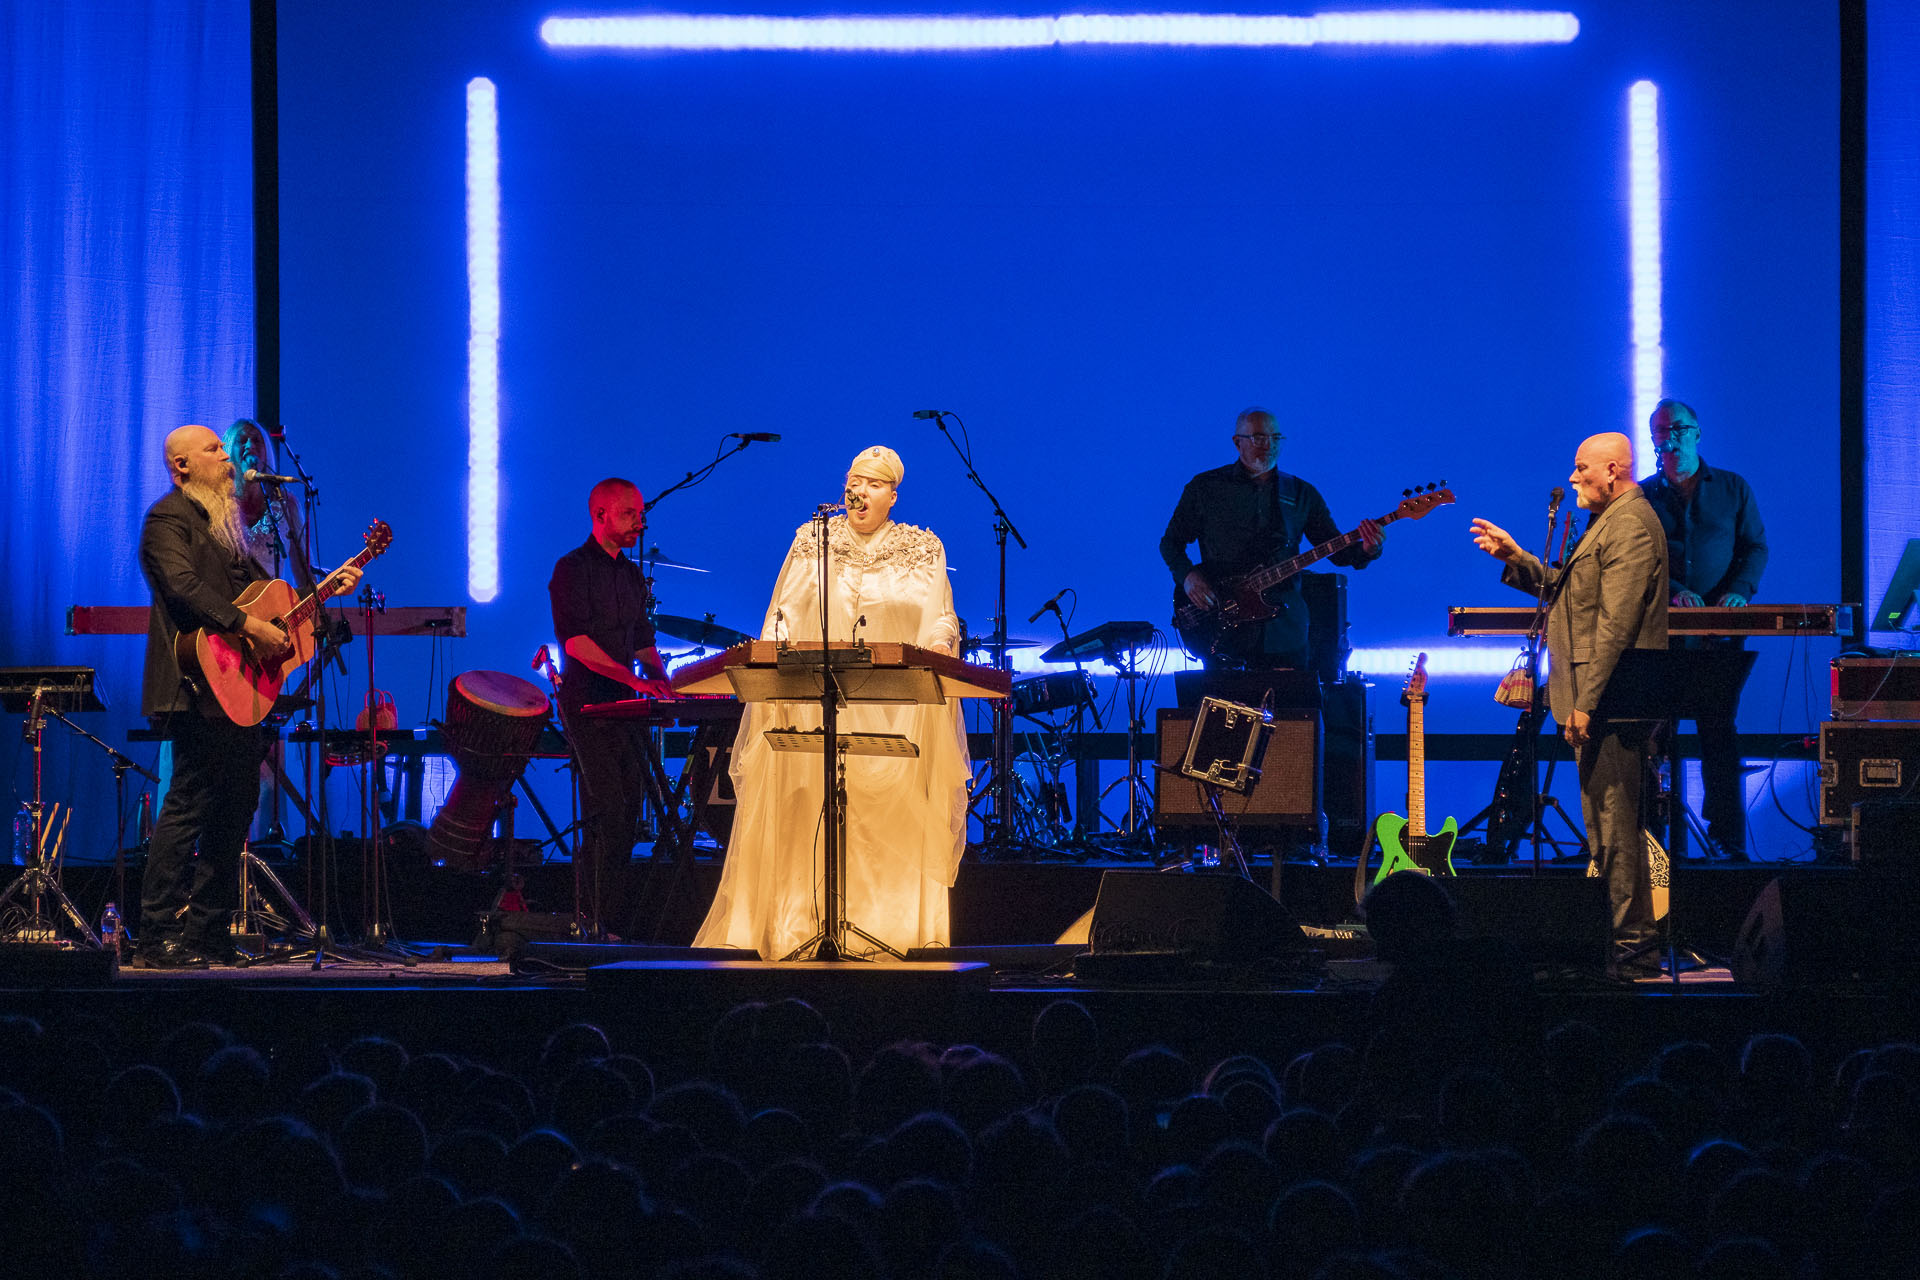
(1609, 596)
(196, 557)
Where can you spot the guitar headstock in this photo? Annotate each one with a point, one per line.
(1419, 501)
(1416, 690)
(379, 537)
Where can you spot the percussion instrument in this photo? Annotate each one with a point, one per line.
(1055, 691)
(494, 722)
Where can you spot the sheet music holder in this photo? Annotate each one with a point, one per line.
(1675, 684)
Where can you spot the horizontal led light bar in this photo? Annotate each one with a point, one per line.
(927, 34)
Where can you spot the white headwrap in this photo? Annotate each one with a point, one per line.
(879, 462)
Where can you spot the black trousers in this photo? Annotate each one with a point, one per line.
(1721, 777)
(613, 787)
(1612, 766)
(192, 880)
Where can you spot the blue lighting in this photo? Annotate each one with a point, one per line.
(1643, 164)
(483, 341)
(923, 34)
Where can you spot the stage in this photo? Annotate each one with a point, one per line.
(986, 991)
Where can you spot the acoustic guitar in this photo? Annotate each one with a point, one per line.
(1243, 596)
(225, 665)
(1405, 844)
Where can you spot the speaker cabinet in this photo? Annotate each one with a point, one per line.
(1556, 920)
(1834, 927)
(1287, 793)
(1214, 917)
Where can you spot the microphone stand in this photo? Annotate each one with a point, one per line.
(693, 478)
(1536, 633)
(998, 836)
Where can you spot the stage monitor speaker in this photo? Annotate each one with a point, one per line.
(1557, 920)
(1886, 836)
(1286, 795)
(1830, 927)
(1211, 916)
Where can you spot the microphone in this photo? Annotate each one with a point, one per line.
(756, 437)
(931, 413)
(260, 477)
(1053, 604)
(1553, 502)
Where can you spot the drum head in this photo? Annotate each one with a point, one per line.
(501, 693)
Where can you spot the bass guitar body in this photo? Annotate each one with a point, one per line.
(225, 665)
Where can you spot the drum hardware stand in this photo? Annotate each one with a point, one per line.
(1125, 662)
(34, 693)
(998, 840)
(377, 929)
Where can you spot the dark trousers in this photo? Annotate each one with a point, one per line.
(1721, 778)
(613, 786)
(1611, 765)
(209, 806)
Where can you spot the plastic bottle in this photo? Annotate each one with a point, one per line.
(110, 928)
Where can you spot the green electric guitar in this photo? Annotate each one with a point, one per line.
(1404, 842)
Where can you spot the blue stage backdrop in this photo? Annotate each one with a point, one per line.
(126, 194)
(1418, 257)
(1421, 257)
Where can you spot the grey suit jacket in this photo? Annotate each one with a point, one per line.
(1614, 598)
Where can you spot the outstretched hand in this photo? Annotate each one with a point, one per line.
(1494, 540)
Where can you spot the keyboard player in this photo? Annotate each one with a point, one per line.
(1716, 551)
(599, 600)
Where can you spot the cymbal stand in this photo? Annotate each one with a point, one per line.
(37, 882)
(998, 834)
(375, 918)
(121, 764)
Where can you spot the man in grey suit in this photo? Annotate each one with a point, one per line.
(1610, 596)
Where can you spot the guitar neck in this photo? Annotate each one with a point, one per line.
(1274, 574)
(1417, 766)
(301, 614)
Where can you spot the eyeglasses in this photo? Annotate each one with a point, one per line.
(1681, 429)
(1275, 438)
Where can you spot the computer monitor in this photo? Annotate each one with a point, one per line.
(1899, 610)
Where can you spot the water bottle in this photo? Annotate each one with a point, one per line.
(110, 928)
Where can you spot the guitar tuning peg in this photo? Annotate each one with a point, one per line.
(1406, 493)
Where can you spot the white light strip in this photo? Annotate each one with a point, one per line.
(1446, 659)
(483, 341)
(1643, 161)
(906, 33)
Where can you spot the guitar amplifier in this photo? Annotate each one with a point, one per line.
(1866, 760)
(1287, 793)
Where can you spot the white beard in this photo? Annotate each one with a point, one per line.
(223, 516)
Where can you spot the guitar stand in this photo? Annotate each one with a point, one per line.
(257, 918)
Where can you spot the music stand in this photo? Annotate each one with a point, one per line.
(37, 693)
(1660, 686)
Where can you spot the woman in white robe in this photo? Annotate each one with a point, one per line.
(906, 818)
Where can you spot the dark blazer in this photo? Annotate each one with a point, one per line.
(1614, 598)
(194, 581)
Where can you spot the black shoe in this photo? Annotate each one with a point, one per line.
(172, 953)
(222, 952)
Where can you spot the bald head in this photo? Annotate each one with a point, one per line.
(618, 512)
(194, 455)
(1602, 469)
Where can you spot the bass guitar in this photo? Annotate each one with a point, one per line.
(225, 665)
(1405, 844)
(1243, 597)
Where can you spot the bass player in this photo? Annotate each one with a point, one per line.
(1245, 515)
(196, 558)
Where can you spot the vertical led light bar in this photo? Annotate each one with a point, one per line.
(1643, 163)
(483, 341)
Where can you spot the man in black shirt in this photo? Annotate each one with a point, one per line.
(600, 608)
(194, 553)
(1716, 550)
(1246, 515)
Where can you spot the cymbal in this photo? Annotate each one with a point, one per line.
(657, 559)
(700, 631)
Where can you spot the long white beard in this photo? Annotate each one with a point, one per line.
(223, 516)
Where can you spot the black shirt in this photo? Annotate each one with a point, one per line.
(1715, 541)
(1242, 523)
(603, 598)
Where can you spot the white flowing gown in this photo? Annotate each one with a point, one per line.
(906, 818)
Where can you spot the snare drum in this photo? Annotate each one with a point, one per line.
(1055, 691)
(493, 723)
